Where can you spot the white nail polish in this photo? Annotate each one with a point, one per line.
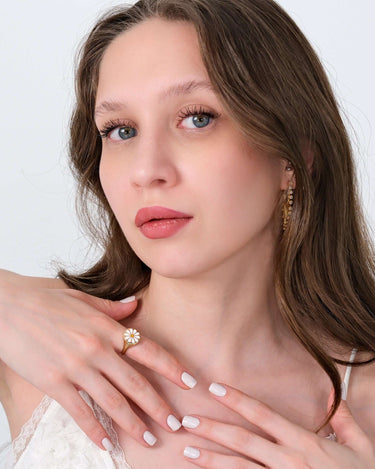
(173, 423)
(107, 444)
(217, 389)
(129, 299)
(190, 422)
(188, 380)
(149, 438)
(192, 453)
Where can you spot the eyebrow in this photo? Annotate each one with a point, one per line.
(178, 89)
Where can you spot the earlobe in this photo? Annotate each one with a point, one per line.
(288, 181)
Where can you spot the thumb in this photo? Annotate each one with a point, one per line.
(122, 309)
(344, 425)
(116, 310)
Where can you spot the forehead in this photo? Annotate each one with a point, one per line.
(149, 56)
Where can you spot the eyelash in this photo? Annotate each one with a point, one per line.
(112, 125)
(184, 114)
(196, 111)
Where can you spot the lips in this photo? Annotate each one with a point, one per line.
(160, 222)
(145, 215)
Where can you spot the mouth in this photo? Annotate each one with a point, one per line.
(151, 214)
(160, 222)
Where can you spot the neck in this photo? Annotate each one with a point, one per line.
(217, 319)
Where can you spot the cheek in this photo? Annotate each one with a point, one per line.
(243, 188)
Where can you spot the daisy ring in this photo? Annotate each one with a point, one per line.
(131, 337)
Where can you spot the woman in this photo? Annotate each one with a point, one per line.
(224, 182)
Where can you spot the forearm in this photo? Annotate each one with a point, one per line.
(27, 281)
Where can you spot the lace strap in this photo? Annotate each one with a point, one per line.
(20, 443)
(118, 455)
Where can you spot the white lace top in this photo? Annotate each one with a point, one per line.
(52, 440)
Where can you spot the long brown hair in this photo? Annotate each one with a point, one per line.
(274, 86)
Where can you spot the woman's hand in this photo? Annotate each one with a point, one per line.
(292, 447)
(62, 341)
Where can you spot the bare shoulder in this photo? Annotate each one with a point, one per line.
(18, 397)
(361, 397)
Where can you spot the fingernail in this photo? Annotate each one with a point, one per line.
(107, 444)
(149, 438)
(173, 423)
(190, 422)
(217, 389)
(129, 299)
(192, 453)
(188, 380)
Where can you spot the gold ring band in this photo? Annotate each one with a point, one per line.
(131, 337)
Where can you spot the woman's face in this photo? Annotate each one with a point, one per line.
(169, 142)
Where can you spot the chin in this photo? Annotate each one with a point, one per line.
(174, 264)
(175, 268)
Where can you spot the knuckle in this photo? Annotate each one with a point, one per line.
(161, 411)
(243, 438)
(113, 401)
(54, 378)
(73, 366)
(91, 345)
(261, 412)
(165, 361)
(137, 383)
(96, 432)
(134, 427)
(293, 460)
(166, 358)
(81, 412)
(93, 429)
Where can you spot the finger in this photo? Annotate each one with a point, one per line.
(125, 380)
(84, 417)
(348, 432)
(117, 310)
(236, 438)
(210, 460)
(259, 414)
(154, 357)
(116, 406)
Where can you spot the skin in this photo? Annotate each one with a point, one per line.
(211, 299)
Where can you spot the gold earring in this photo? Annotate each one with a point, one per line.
(288, 205)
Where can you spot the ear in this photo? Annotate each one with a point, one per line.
(287, 179)
(308, 154)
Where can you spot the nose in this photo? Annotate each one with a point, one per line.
(153, 164)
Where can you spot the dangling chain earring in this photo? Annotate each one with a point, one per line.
(288, 205)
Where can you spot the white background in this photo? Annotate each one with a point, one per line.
(38, 41)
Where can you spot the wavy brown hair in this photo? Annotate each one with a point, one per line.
(274, 86)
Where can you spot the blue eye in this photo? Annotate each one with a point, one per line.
(198, 121)
(122, 133)
(201, 120)
(118, 131)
